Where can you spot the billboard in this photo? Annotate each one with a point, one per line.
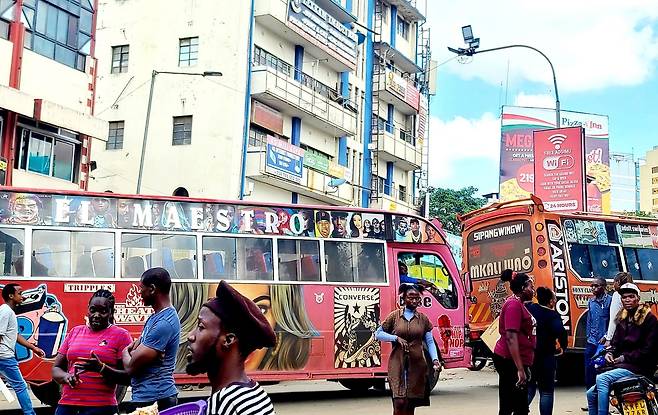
(284, 159)
(516, 152)
(559, 168)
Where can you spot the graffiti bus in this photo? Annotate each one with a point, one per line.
(323, 276)
(561, 251)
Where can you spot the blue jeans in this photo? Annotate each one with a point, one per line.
(543, 378)
(598, 399)
(590, 371)
(9, 369)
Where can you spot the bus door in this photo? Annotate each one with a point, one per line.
(443, 303)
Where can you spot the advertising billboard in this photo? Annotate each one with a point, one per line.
(284, 159)
(516, 152)
(559, 168)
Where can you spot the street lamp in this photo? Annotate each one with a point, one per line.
(472, 49)
(148, 114)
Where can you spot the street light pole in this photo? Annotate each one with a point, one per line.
(471, 52)
(148, 116)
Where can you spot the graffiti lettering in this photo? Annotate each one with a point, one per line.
(560, 281)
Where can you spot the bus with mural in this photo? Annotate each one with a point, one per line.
(562, 251)
(323, 276)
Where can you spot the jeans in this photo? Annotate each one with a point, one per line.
(590, 371)
(164, 403)
(86, 410)
(543, 378)
(598, 396)
(9, 369)
(512, 399)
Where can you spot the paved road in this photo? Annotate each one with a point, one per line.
(460, 392)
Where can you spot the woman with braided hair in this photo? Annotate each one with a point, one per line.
(89, 364)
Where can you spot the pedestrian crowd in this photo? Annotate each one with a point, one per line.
(621, 339)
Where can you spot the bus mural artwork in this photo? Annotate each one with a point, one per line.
(356, 317)
(299, 264)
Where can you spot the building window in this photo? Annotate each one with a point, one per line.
(654, 170)
(182, 130)
(120, 59)
(383, 12)
(48, 155)
(257, 137)
(188, 51)
(402, 193)
(403, 28)
(115, 136)
(60, 29)
(265, 58)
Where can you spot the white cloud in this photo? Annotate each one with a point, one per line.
(592, 43)
(539, 101)
(458, 140)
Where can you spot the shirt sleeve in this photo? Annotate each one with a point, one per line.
(64, 348)
(123, 341)
(4, 322)
(431, 346)
(389, 323)
(615, 307)
(383, 336)
(513, 316)
(406, 279)
(158, 335)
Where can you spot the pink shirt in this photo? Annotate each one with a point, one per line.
(515, 317)
(108, 345)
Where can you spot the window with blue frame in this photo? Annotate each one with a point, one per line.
(49, 154)
(60, 29)
(403, 28)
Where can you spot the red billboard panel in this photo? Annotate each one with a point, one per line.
(559, 168)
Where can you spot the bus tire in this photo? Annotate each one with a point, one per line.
(357, 385)
(48, 393)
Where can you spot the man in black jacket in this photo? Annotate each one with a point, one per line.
(634, 348)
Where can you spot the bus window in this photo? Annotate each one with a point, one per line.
(219, 258)
(298, 260)
(11, 251)
(580, 262)
(255, 259)
(591, 261)
(92, 254)
(175, 253)
(632, 263)
(431, 268)
(354, 261)
(51, 252)
(648, 259)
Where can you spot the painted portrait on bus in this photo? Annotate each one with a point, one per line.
(282, 305)
(356, 225)
(401, 228)
(323, 228)
(431, 234)
(373, 226)
(339, 225)
(26, 209)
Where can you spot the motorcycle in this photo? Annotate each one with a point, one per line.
(634, 395)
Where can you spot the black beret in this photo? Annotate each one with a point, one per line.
(339, 214)
(321, 215)
(242, 317)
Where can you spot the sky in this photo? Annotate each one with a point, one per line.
(605, 55)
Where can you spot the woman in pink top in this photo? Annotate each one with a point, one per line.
(514, 351)
(88, 363)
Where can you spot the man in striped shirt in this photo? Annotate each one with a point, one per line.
(229, 328)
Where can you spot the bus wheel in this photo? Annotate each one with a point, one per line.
(48, 393)
(357, 385)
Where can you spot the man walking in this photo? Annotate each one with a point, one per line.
(598, 315)
(634, 348)
(151, 359)
(13, 296)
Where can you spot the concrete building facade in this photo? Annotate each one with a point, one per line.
(47, 88)
(625, 182)
(319, 102)
(649, 182)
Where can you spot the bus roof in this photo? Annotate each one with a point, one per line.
(396, 217)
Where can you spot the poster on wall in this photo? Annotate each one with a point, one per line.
(559, 168)
(516, 152)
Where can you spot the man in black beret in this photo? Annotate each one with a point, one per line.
(339, 220)
(230, 327)
(323, 224)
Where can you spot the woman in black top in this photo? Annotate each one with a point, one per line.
(549, 332)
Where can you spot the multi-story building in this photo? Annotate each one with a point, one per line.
(649, 182)
(290, 120)
(625, 182)
(47, 86)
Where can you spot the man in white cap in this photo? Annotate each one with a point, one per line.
(634, 348)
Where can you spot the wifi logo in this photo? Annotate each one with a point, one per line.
(557, 140)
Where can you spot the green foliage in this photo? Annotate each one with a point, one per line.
(446, 204)
(639, 214)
